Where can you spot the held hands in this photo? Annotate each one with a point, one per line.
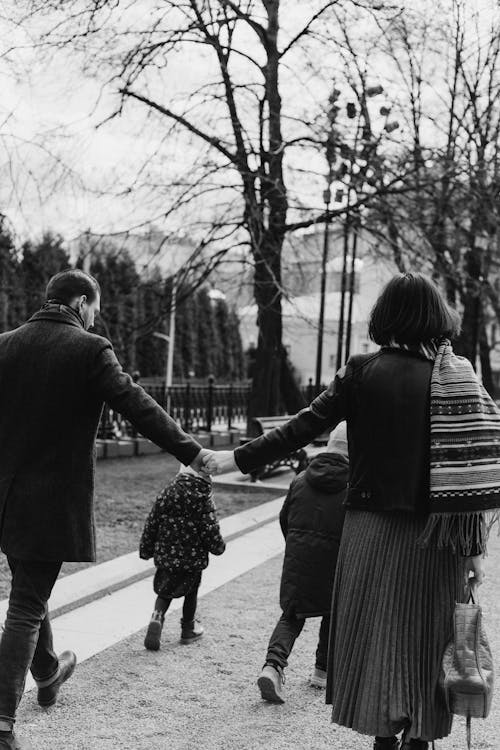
(220, 462)
(199, 465)
(214, 462)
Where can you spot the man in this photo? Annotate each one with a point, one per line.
(54, 379)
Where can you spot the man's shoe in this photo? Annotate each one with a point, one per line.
(414, 744)
(47, 694)
(271, 684)
(318, 678)
(386, 743)
(191, 630)
(12, 741)
(153, 634)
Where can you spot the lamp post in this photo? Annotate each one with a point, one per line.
(352, 289)
(343, 286)
(327, 196)
(170, 339)
(356, 180)
(331, 142)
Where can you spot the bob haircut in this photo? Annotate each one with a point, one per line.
(66, 285)
(412, 310)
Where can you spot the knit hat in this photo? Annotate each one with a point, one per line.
(337, 442)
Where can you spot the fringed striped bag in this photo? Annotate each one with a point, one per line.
(464, 455)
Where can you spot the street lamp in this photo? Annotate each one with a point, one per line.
(357, 173)
(327, 197)
(170, 339)
(168, 375)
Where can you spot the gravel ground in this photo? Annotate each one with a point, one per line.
(125, 491)
(204, 695)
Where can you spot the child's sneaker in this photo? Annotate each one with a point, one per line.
(318, 678)
(272, 684)
(191, 630)
(153, 634)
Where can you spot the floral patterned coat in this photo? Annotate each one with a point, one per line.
(182, 528)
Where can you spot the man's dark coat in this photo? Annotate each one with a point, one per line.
(54, 379)
(312, 519)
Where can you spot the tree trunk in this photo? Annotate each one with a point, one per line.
(273, 386)
(274, 389)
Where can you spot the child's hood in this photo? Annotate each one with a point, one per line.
(328, 472)
(196, 487)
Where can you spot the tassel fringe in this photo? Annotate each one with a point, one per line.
(465, 533)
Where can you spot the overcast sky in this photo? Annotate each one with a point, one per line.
(48, 101)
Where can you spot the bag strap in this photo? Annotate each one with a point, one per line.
(472, 597)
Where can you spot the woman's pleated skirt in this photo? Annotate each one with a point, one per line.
(392, 616)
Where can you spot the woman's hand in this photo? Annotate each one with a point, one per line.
(220, 462)
(474, 565)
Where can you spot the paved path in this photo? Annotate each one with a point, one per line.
(204, 695)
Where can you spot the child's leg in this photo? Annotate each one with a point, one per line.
(272, 680)
(191, 601)
(284, 635)
(162, 604)
(191, 629)
(322, 649)
(155, 627)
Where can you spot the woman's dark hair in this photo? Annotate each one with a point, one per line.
(67, 285)
(411, 310)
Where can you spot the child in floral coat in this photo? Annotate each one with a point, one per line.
(180, 531)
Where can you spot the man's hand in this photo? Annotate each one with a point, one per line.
(199, 463)
(220, 462)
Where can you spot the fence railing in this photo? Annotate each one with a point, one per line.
(195, 407)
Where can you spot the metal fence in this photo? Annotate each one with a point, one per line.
(195, 407)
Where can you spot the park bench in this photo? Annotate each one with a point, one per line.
(298, 460)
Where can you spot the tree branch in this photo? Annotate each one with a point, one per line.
(259, 30)
(305, 30)
(212, 140)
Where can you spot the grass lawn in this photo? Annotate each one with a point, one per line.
(125, 491)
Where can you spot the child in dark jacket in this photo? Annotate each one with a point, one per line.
(180, 531)
(311, 519)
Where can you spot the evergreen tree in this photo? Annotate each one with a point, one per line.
(151, 350)
(208, 339)
(236, 356)
(187, 354)
(12, 303)
(40, 261)
(119, 280)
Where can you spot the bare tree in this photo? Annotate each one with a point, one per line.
(242, 138)
(447, 67)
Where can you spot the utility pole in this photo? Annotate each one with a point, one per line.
(330, 144)
(321, 322)
(170, 339)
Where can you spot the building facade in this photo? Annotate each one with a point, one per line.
(301, 303)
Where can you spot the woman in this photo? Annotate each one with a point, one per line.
(404, 556)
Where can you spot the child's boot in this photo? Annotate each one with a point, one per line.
(271, 683)
(153, 634)
(191, 630)
(318, 678)
(386, 743)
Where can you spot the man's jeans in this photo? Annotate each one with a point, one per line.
(286, 632)
(26, 640)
